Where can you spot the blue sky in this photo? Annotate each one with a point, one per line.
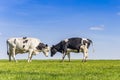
(55, 20)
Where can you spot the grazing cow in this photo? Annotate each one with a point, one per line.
(72, 45)
(26, 45)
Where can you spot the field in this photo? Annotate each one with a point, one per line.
(56, 70)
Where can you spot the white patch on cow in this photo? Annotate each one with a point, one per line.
(66, 40)
(46, 51)
(83, 39)
(82, 46)
(71, 50)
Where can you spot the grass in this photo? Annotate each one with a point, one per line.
(56, 70)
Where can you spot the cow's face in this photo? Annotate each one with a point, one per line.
(53, 51)
(46, 50)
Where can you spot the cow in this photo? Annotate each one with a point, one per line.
(74, 44)
(22, 45)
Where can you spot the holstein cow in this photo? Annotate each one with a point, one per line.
(32, 46)
(72, 45)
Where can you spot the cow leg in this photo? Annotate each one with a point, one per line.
(64, 54)
(13, 54)
(68, 54)
(85, 54)
(30, 55)
(9, 56)
(84, 57)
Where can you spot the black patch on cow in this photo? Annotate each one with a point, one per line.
(41, 46)
(84, 42)
(24, 37)
(53, 50)
(23, 46)
(25, 41)
(60, 47)
(89, 42)
(15, 41)
(75, 43)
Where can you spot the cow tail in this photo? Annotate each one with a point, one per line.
(7, 48)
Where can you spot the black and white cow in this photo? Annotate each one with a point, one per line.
(72, 45)
(32, 46)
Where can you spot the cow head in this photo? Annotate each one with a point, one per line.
(44, 48)
(87, 42)
(53, 51)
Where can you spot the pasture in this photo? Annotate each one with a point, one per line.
(56, 70)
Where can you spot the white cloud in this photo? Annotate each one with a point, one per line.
(0, 33)
(97, 28)
(118, 13)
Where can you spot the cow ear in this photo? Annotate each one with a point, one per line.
(46, 45)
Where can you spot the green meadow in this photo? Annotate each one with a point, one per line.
(56, 70)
